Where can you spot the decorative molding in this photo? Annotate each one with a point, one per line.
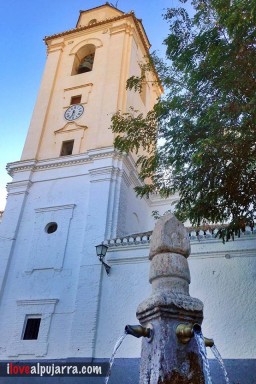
(26, 165)
(102, 22)
(128, 253)
(127, 179)
(69, 127)
(84, 89)
(18, 187)
(62, 161)
(102, 152)
(132, 176)
(202, 236)
(37, 302)
(58, 46)
(55, 208)
(48, 252)
(157, 200)
(228, 254)
(104, 174)
(78, 87)
(125, 27)
(94, 41)
(128, 260)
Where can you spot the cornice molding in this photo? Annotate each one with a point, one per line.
(228, 254)
(63, 161)
(59, 46)
(104, 173)
(18, 187)
(132, 174)
(102, 22)
(134, 259)
(126, 254)
(124, 27)
(157, 200)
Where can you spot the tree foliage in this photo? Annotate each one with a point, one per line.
(206, 122)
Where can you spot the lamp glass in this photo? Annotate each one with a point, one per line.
(101, 250)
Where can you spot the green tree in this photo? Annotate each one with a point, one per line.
(206, 122)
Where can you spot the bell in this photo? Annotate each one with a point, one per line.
(86, 64)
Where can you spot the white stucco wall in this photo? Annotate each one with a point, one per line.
(222, 276)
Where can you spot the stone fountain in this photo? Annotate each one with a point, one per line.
(170, 354)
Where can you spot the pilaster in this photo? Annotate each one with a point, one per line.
(17, 196)
(43, 102)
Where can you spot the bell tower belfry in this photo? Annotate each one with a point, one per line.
(88, 66)
(71, 190)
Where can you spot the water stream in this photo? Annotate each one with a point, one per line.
(219, 358)
(112, 358)
(202, 349)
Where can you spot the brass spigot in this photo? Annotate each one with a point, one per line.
(208, 342)
(185, 332)
(138, 331)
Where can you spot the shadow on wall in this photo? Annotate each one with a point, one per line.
(135, 223)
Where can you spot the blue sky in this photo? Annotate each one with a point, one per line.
(24, 23)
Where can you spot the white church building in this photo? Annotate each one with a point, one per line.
(71, 190)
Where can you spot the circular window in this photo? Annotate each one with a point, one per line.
(51, 227)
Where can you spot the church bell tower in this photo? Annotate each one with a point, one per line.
(71, 190)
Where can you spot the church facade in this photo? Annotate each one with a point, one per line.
(72, 191)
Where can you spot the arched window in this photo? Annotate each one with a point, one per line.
(93, 21)
(84, 59)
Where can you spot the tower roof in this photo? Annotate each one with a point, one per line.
(101, 15)
(107, 6)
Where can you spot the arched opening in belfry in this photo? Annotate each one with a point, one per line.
(84, 59)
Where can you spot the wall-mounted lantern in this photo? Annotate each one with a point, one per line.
(101, 251)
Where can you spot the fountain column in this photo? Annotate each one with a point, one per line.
(164, 359)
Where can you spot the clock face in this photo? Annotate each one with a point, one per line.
(74, 112)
